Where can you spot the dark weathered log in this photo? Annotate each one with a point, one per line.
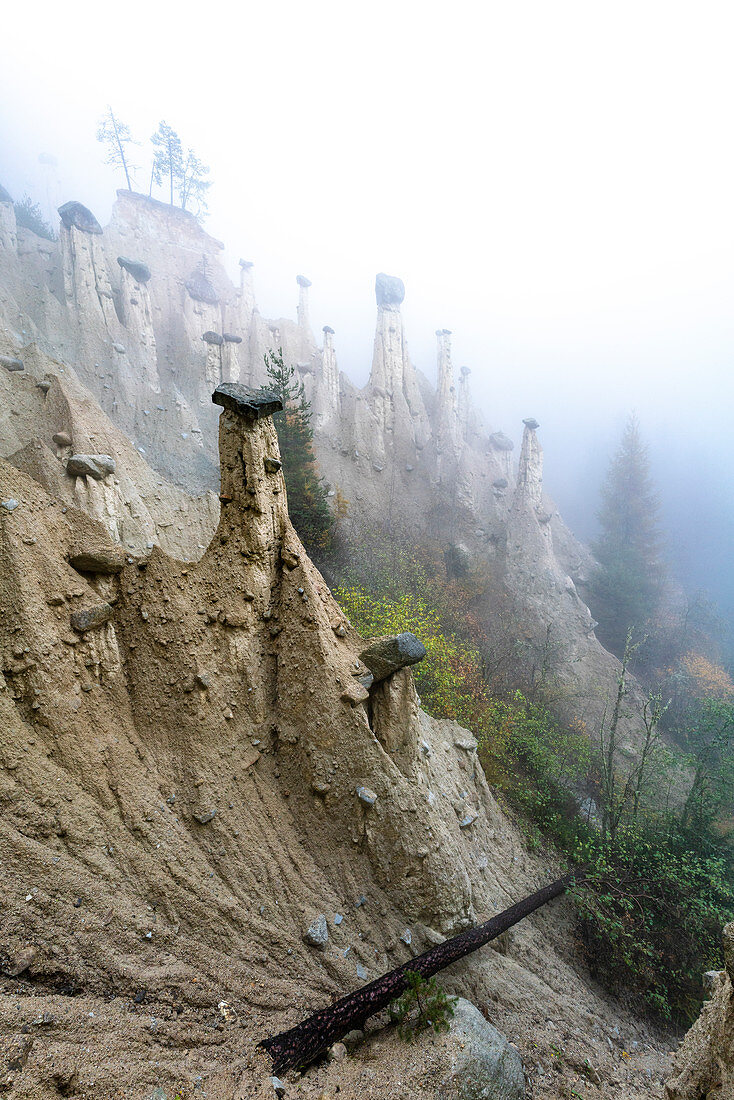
(304, 1042)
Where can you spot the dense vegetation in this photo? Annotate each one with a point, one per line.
(661, 869)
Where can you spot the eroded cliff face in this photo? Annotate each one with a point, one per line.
(193, 766)
(52, 428)
(703, 1066)
(144, 317)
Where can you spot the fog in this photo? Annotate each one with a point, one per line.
(552, 181)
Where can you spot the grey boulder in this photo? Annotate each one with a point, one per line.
(481, 1063)
(200, 288)
(389, 291)
(387, 655)
(97, 559)
(76, 215)
(501, 442)
(11, 363)
(96, 466)
(252, 404)
(317, 933)
(91, 617)
(139, 271)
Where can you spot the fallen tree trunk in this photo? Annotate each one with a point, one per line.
(304, 1042)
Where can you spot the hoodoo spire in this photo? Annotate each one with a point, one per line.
(530, 467)
(446, 393)
(252, 483)
(326, 396)
(246, 294)
(303, 287)
(399, 412)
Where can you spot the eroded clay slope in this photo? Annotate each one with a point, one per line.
(48, 419)
(181, 750)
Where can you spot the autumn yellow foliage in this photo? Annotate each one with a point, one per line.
(707, 679)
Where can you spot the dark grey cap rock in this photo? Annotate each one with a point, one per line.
(231, 338)
(328, 329)
(253, 404)
(389, 291)
(303, 281)
(499, 483)
(201, 289)
(531, 422)
(96, 466)
(139, 271)
(246, 264)
(75, 215)
(501, 442)
(11, 363)
(387, 655)
(210, 337)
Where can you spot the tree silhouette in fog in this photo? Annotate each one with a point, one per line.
(115, 134)
(626, 589)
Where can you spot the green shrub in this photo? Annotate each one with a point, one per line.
(652, 914)
(28, 215)
(424, 1004)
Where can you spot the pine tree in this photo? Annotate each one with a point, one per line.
(184, 172)
(307, 494)
(626, 590)
(116, 136)
(168, 156)
(193, 183)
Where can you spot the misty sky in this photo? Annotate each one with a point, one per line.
(553, 181)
